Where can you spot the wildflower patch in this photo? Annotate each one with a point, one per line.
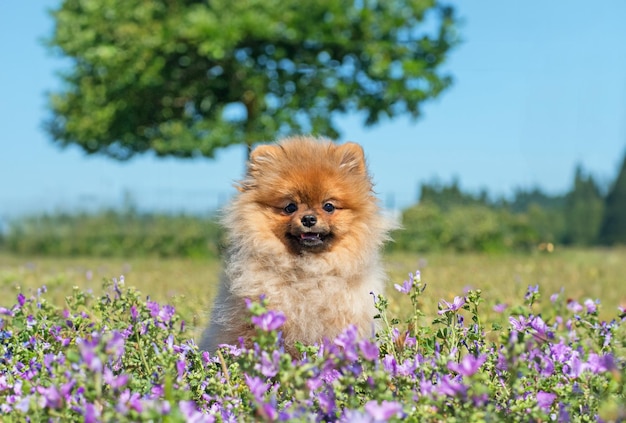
(120, 357)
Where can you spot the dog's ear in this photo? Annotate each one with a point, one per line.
(258, 160)
(262, 153)
(352, 157)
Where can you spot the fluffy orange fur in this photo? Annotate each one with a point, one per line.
(305, 230)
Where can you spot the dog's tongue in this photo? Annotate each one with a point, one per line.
(309, 235)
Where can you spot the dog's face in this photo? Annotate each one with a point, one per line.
(305, 223)
(311, 195)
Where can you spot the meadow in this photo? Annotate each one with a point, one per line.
(190, 284)
(470, 337)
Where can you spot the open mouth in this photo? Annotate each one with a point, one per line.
(311, 240)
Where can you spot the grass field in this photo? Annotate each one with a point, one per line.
(120, 357)
(190, 285)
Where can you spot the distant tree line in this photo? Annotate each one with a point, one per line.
(114, 233)
(448, 218)
(445, 218)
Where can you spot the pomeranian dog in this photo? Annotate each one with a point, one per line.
(305, 231)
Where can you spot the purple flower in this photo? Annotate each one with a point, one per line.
(90, 358)
(390, 364)
(50, 397)
(532, 290)
(17, 387)
(48, 359)
(409, 341)
(66, 389)
(499, 308)
(405, 288)
(257, 387)
(480, 400)
(191, 413)
(468, 365)
(30, 321)
(166, 313)
(355, 416)
(269, 321)
(546, 369)
(383, 411)
(21, 299)
(519, 324)
(157, 391)
(592, 306)
(574, 366)
(347, 340)
(206, 357)
(92, 413)
(545, 400)
(426, 388)
(268, 411)
(115, 346)
(133, 313)
(457, 303)
(326, 400)
(408, 367)
(269, 366)
(540, 327)
(154, 308)
(128, 399)
(369, 349)
(113, 381)
(450, 387)
(23, 405)
(574, 306)
(600, 364)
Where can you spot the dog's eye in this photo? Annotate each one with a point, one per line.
(290, 208)
(328, 207)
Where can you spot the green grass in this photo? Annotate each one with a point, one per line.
(190, 285)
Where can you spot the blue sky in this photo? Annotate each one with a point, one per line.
(540, 86)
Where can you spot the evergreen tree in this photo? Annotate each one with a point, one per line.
(583, 210)
(613, 230)
(448, 196)
(524, 199)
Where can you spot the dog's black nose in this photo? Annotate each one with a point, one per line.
(308, 220)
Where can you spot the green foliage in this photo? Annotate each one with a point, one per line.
(584, 206)
(427, 227)
(185, 78)
(111, 233)
(524, 199)
(448, 218)
(447, 196)
(548, 223)
(613, 229)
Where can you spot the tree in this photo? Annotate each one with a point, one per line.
(525, 199)
(185, 77)
(450, 196)
(613, 229)
(583, 210)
